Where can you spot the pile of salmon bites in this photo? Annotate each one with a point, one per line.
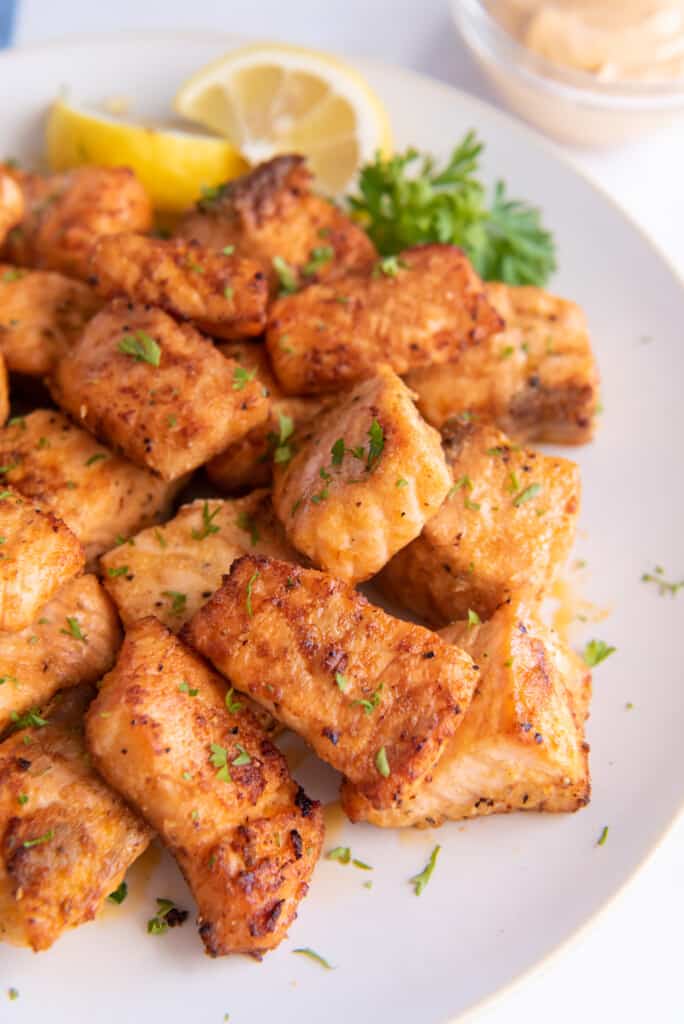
(362, 419)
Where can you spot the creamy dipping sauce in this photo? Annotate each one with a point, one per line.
(616, 40)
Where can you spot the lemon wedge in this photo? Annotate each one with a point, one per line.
(271, 98)
(173, 166)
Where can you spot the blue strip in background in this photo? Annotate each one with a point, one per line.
(8, 10)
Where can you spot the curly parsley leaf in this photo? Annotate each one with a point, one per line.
(407, 200)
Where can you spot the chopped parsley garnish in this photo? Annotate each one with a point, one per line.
(474, 506)
(208, 524)
(286, 276)
(45, 838)
(5, 494)
(219, 759)
(321, 496)
(171, 421)
(228, 293)
(228, 250)
(242, 377)
(312, 955)
(530, 492)
(506, 352)
(12, 994)
(17, 421)
(342, 682)
(250, 583)
(361, 864)
(463, 482)
(381, 763)
(282, 451)
(159, 537)
(120, 570)
(406, 200)
(602, 838)
(513, 484)
(242, 757)
(389, 266)
(664, 586)
(318, 257)
(370, 704)
(249, 525)
(473, 618)
(376, 443)
(597, 651)
(195, 267)
(97, 457)
(74, 629)
(119, 894)
(185, 687)
(337, 451)
(14, 274)
(141, 347)
(342, 854)
(22, 799)
(420, 881)
(401, 482)
(8, 468)
(29, 720)
(233, 705)
(178, 600)
(168, 916)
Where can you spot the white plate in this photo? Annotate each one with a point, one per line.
(507, 890)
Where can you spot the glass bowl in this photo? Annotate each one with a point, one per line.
(569, 105)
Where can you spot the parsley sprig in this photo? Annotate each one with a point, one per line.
(407, 200)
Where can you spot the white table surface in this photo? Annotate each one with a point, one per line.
(625, 965)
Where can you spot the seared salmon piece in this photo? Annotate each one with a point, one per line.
(421, 308)
(4, 391)
(537, 379)
(99, 495)
(249, 462)
(156, 390)
(66, 839)
(508, 522)
(170, 571)
(38, 554)
(521, 746)
(191, 759)
(42, 313)
(73, 640)
(66, 213)
(376, 697)
(222, 294)
(271, 215)
(360, 481)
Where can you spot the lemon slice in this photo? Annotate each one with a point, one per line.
(173, 166)
(272, 98)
